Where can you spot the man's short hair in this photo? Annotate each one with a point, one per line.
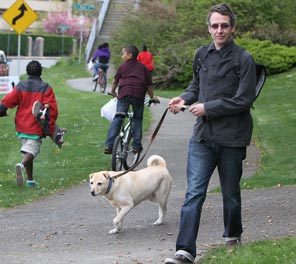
(132, 50)
(222, 9)
(34, 68)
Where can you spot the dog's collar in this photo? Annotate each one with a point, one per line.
(111, 180)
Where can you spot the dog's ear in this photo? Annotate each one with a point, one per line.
(106, 175)
(91, 175)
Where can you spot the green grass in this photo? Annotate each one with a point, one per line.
(82, 152)
(282, 251)
(274, 132)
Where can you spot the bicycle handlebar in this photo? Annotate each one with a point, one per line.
(147, 102)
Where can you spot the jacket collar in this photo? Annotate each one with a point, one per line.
(225, 50)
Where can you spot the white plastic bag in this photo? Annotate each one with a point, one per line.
(90, 65)
(109, 109)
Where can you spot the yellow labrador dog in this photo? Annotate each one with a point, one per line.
(152, 183)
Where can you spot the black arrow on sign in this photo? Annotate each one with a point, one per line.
(23, 9)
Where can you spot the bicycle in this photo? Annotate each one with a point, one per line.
(122, 152)
(101, 81)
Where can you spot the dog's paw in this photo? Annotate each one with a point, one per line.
(113, 231)
(158, 222)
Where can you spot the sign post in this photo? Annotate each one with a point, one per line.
(19, 16)
(63, 28)
(81, 21)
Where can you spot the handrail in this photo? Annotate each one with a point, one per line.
(96, 29)
(91, 40)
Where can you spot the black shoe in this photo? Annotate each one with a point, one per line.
(108, 150)
(137, 151)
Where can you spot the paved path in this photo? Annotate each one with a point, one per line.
(72, 227)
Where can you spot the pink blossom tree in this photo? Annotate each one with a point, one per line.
(56, 21)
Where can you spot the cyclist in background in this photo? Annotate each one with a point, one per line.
(101, 59)
(133, 81)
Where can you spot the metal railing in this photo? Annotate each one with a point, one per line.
(96, 29)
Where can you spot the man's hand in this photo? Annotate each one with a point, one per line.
(155, 100)
(175, 105)
(113, 93)
(197, 109)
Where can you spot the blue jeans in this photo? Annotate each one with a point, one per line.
(123, 105)
(103, 66)
(202, 160)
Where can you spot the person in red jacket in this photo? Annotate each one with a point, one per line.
(146, 58)
(28, 129)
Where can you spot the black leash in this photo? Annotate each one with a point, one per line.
(150, 143)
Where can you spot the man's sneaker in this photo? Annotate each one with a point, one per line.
(31, 184)
(108, 150)
(181, 257)
(96, 77)
(19, 174)
(233, 243)
(137, 150)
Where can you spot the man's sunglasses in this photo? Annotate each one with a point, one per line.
(223, 26)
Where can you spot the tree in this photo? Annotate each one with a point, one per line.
(56, 22)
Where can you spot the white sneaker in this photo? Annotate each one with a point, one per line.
(96, 77)
(19, 171)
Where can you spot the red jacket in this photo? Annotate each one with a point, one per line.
(23, 95)
(146, 58)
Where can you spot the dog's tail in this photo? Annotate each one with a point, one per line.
(156, 160)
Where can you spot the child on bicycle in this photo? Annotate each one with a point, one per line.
(28, 129)
(101, 59)
(133, 81)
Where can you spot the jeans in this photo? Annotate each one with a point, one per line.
(202, 160)
(138, 110)
(103, 66)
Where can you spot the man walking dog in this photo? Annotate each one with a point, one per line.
(220, 96)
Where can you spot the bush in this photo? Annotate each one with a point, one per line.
(174, 63)
(9, 43)
(52, 44)
(276, 58)
(174, 29)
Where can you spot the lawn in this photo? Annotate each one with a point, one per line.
(82, 152)
(282, 251)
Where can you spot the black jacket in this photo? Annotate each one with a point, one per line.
(227, 97)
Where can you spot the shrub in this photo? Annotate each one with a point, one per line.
(277, 58)
(174, 63)
(52, 44)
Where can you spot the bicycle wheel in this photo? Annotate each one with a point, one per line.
(103, 83)
(95, 84)
(131, 157)
(117, 154)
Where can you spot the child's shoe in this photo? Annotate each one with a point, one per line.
(31, 184)
(19, 174)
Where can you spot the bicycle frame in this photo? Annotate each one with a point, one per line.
(122, 154)
(101, 81)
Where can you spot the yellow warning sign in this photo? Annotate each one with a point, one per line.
(19, 16)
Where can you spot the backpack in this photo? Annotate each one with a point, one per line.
(260, 68)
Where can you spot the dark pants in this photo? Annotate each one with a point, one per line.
(202, 160)
(138, 110)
